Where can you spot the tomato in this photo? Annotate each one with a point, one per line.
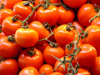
(29, 71)
(78, 25)
(84, 14)
(96, 3)
(49, 15)
(5, 13)
(63, 36)
(88, 53)
(96, 21)
(74, 3)
(35, 60)
(48, 69)
(9, 27)
(41, 47)
(26, 37)
(2, 34)
(65, 16)
(42, 2)
(49, 51)
(82, 71)
(56, 73)
(8, 49)
(95, 70)
(9, 4)
(9, 67)
(93, 31)
(22, 10)
(38, 26)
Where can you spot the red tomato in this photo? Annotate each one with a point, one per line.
(56, 73)
(9, 67)
(25, 59)
(95, 70)
(65, 16)
(2, 34)
(84, 14)
(93, 31)
(96, 21)
(74, 3)
(9, 27)
(26, 37)
(8, 49)
(48, 69)
(82, 71)
(96, 3)
(49, 15)
(23, 11)
(49, 51)
(5, 13)
(88, 53)
(63, 36)
(29, 71)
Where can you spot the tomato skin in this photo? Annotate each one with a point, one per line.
(8, 49)
(96, 21)
(95, 70)
(26, 60)
(88, 53)
(23, 11)
(48, 69)
(56, 73)
(49, 51)
(38, 26)
(93, 31)
(84, 14)
(96, 3)
(9, 27)
(82, 71)
(63, 36)
(65, 16)
(49, 15)
(9, 67)
(2, 34)
(26, 37)
(29, 70)
(74, 3)
(5, 13)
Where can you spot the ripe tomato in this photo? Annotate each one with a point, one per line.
(8, 49)
(84, 14)
(95, 70)
(93, 31)
(74, 3)
(49, 51)
(82, 71)
(9, 4)
(9, 27)
(49, 15)
(65, 16)
(48, 69)
(2, 34)
(29, 71)
(63, 36)
(56, 73)
(96, 3)
(26, 37)
(9, 67)
(22, 10)
(88, 53)
(5, 13)
(25, 59)
(96, 21)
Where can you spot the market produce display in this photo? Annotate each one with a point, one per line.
(49, 37)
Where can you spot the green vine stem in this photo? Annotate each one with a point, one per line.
(0, 28)
(1, 6)
(11, 38)
(2, 59)
(32, 52)
(15, 18)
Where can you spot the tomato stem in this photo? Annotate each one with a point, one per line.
(2, 59)
(0, 28)
(11, 38)
(32, 52)
(1, 6)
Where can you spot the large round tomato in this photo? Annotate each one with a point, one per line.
(26, 37)
(34, 59)
(9, 67)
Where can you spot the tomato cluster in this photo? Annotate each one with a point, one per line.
(49, 37)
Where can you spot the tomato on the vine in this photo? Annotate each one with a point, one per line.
(96, 21)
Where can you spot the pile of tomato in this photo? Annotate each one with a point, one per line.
(49, 37)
